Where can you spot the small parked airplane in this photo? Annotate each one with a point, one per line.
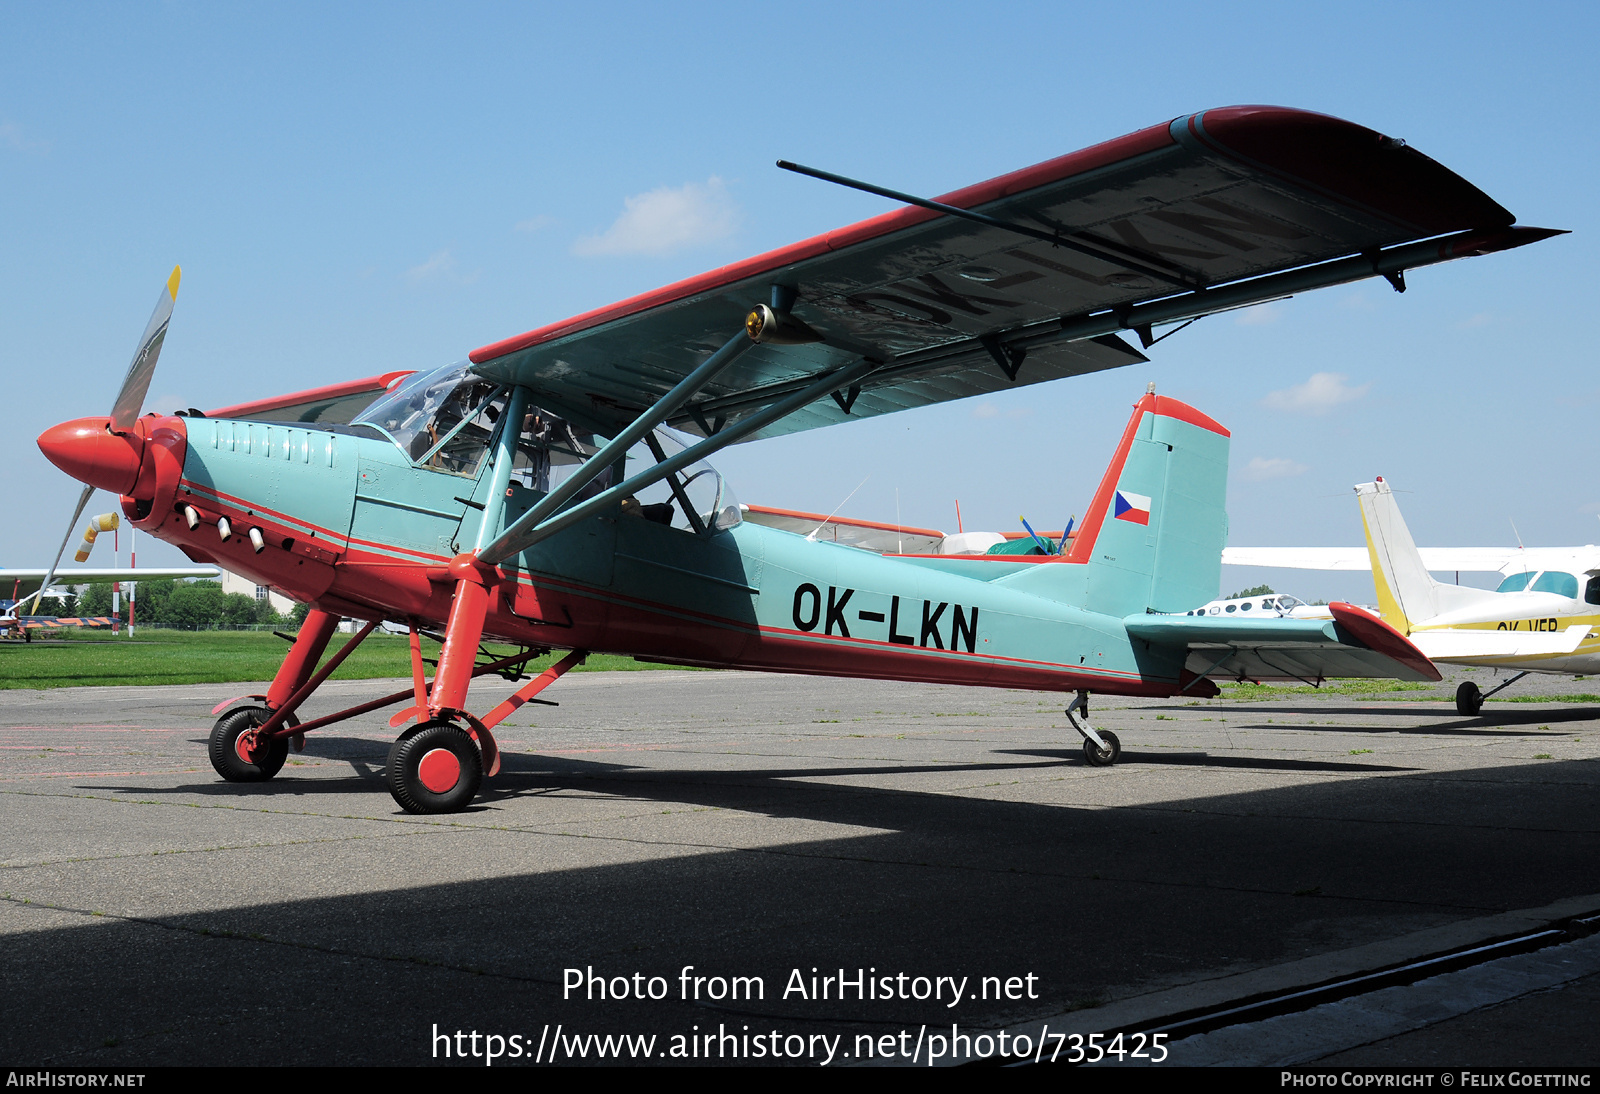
(1543, 617)
(549, 491)
(28, 587)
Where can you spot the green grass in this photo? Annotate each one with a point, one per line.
(95, 658)
(1366, 689)
(1580, 697)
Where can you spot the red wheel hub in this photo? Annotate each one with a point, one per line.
(245, 745)
(439, 770)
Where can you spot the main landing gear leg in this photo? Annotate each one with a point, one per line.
(438, 764)
(1100, 747)
(248, 743)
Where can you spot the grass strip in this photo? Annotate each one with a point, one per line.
(159, 657)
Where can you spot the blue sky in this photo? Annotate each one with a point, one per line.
(358, 188)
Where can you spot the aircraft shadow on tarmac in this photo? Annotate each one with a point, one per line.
(450, 928)
(1208, 759)
(1483, 725)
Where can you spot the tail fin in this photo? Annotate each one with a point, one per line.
(1408, 596)
(1153, 536)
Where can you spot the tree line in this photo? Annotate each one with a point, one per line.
(166, 602)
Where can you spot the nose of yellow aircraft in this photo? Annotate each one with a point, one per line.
(86, 449)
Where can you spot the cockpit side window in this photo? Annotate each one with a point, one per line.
(549, 450)
(1591, 594)
(1554, 581)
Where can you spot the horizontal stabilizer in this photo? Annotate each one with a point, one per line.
(1354, 643)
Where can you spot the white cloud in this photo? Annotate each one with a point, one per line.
(1318, 395)
(985, 410)
(666, 220)
(440, 266)
(12, 136)
(533, 224)
(1257, 316)
(1261, 469)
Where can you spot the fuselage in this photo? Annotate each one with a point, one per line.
(348, 523)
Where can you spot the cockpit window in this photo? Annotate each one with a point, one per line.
(1514, 583)
(441, 420)
(1554, 581)
(1591, 594)
(694, 498)
(550, 449)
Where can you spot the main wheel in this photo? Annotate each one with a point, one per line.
(1469, 700)
(1102, 757)
(434, 768)
(233, 760)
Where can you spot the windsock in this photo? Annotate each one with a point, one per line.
(105, 522)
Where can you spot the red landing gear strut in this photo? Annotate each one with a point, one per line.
(437, 765)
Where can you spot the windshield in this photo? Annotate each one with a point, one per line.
(444, 421)
(441, 420)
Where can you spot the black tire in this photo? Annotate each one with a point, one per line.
(451, 777)
(1102, 757)
(1469, 700)
(224, 748)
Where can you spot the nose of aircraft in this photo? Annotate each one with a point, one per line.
(87, 450)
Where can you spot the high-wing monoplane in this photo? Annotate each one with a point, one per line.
(1542, 617)
(550, 491)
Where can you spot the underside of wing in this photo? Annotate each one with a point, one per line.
(1210, 212)
(335, 404)
(1354, 643)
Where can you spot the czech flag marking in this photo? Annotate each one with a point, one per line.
(1132, 507)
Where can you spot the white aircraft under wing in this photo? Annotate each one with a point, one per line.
(17, 583)
(1501, 560)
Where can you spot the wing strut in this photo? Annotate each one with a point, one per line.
(1055, 239)
(530, 529)
(619, 445)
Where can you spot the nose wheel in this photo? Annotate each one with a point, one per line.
(1469, 700)
(434, 768)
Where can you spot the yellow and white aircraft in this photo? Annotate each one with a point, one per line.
(1543, 617)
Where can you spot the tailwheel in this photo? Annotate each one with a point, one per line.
(1102, 757)
(434, 768)
(238, 755)
(1469, 700)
